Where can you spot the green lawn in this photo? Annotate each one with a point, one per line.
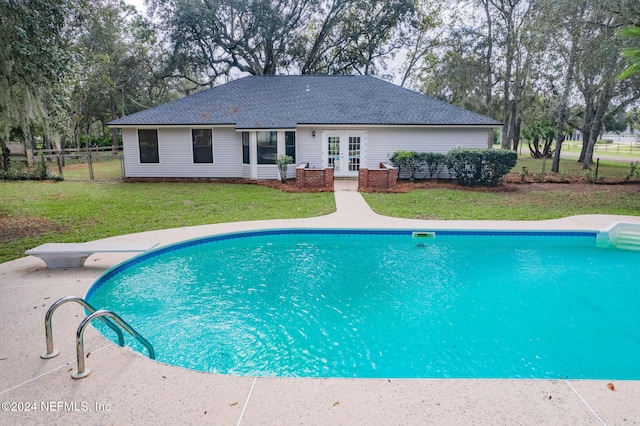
(525, 202)
(106, 167)
(80, 211)
(570, 167)
(630, 151)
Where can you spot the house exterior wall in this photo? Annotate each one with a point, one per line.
(383, 142)
(309, 147)
(176, 155)
(175, 149)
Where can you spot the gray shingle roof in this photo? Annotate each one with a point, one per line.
(279, 102)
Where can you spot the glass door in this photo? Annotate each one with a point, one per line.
(353, 158)
(333, 154)
(343, 150)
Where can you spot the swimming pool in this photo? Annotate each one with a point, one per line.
(385, 303)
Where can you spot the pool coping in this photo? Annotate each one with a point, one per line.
(126, 387)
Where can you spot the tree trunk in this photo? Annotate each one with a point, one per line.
(562, 107)
(506, 131)
(589, 113)
(488, 95)
(588, 156)
(546, 152)
(114, 131)
(6, 152)
(514, 128)
(596, 127)
(535, 149)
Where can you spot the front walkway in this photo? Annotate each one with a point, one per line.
(128, 388)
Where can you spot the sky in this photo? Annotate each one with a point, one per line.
(139, 4)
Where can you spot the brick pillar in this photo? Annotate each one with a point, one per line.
(328, 180)
(393, 175)
(363, 178)
(301, 175)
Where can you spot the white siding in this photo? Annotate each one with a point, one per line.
(308, 147)
(175, 150)
(382, 143)
(176, 155)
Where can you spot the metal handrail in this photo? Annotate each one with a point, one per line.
(82, 372)
(48, 331)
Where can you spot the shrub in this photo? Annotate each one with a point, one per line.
(41, 172)
(283, 162)
(480, 167)
(409, 163)
(435, 163)
(634, 171)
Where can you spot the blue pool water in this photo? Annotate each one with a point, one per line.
(316, 303)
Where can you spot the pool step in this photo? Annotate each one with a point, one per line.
(627, 240)
(623, 235)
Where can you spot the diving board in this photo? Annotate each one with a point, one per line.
(73, 255)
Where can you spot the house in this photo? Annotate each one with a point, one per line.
(339, 124)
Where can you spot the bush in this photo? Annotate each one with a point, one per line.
(409, 163)
(41, 172)
(480, 167)
(283, 162)
(435, 163)
(412, 163)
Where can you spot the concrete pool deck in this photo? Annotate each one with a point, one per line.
(128, 388)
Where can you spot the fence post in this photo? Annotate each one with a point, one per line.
(59, 162)
(90, 163)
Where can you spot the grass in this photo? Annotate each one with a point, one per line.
(106, 167)
(614, 170)
(38, 212)
(630, 151)
(524, 203)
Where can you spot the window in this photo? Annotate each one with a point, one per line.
(202, 145)
(148, 144)
(354, 153)
(267, 147)
(245, 148)
(290, 145)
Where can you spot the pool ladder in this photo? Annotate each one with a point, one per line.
(94, 313)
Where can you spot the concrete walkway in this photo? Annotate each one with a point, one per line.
(127, 388)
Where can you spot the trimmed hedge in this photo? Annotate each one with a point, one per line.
(470, 167)
(412, 163)
(480, 167)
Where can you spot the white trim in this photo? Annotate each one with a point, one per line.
(170, 126)
(266, 129)
(253, 155)
(398, 126)
(309, 125)
(281, 149)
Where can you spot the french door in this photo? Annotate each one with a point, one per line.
(343, 151)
